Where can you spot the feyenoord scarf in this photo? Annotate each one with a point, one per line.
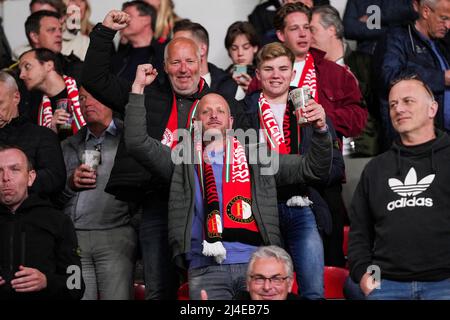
(308, 77)
(45, 115)
(237, 223)
(291, 130)
(168, 137)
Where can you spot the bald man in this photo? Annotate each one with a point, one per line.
(229, 210)
(399, 214)
(170, 101)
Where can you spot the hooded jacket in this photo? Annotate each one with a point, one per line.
(39, 236)
(400, 214)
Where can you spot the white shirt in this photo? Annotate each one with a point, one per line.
(298, 69)
(207, 78)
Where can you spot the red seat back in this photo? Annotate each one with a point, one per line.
(183, 292)
(334, 279)
(139, 291)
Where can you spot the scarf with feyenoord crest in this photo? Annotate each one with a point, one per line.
(237, 223)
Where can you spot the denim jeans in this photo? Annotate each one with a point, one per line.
(415, 290)
(303, 242)
(107, 260)
(221, 282)
(352, 291)
(159, 272)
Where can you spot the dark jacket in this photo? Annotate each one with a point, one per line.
(337, 172)
(5, 49)
(400, 217)
(221, 82)
(262, 16)
(314, 166)
(129, 180)
(393, 13)
(124, 66)
(42, 147)
(340, 96)
(41, 237)
(403, 51)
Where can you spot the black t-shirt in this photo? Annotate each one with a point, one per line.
(59, 96)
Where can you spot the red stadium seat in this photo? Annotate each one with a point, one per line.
(183, 292)
(139, 291)
(334, 279)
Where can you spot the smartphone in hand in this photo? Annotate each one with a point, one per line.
(239, 69)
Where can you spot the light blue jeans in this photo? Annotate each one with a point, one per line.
(303, 242)
(221, 282)
(415, 290)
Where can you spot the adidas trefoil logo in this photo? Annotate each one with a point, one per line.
(410, 188)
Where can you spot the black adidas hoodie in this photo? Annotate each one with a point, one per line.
(400, 214)
(38, 236)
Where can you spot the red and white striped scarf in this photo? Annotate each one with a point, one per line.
(275, 140)
(169, 134)
(45, 114)
(308, 77)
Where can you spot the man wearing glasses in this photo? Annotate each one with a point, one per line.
(418, 48)
(270, 275)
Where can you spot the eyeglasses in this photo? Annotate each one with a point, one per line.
(260, 279)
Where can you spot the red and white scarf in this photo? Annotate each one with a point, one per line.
(237, 223)
(308, 77)
(282, 143)
(45, 112)
(169, 134)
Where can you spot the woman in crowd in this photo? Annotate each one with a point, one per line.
(242, 44)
